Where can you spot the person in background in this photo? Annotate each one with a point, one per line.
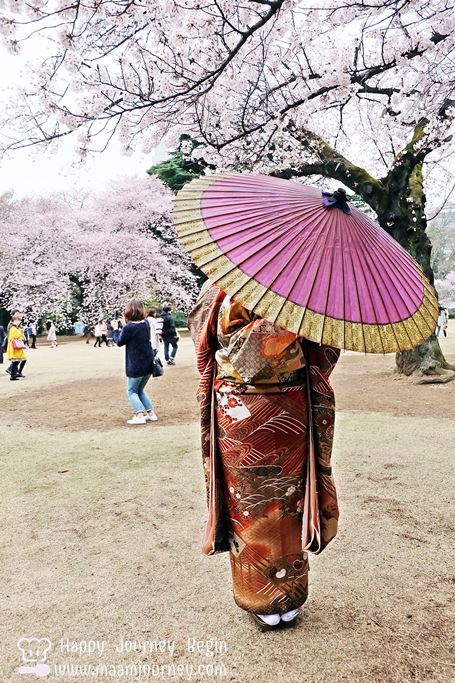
(97, 335)
(87, 332)
(28, 334)
(159, 329)
(15, 348)
(32, 326)
(109, 334)
(169, 335)
(443, 321)
(51, 334)
(139, 358)
(3, 342)
(154, 338)
(100, 334)
(104, 332)
(14, 314)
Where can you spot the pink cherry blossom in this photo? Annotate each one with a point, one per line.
(89, 260)
(446, 288)
(232, 74)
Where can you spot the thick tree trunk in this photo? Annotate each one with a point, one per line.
(426, 362)
(402, 214)
(401, 211)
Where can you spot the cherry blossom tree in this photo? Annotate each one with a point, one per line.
(441, 230)
(358, 91)
(128, 248)
(229, 70)
(88, 261)
(446, 287)
(37, 238)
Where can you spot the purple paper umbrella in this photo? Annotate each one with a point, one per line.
(307, 261)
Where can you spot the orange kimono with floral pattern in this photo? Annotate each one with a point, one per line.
(267, 419)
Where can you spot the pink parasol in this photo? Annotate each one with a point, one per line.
(311, 264)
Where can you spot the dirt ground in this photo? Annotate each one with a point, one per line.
(102, 523)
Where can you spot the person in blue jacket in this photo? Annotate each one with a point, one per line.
(139, 359)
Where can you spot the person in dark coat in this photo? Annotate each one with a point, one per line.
(169, 335)
(87, 333)
(139, 359)
(3, 338)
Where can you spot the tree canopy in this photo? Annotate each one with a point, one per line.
(88, 261)
(180, 167)
(233, 74)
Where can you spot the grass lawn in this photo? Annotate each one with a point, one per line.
(102, 523)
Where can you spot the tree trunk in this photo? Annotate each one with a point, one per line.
(427, 362)
(401, 211)
(402, 214)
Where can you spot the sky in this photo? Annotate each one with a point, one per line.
(43, 171)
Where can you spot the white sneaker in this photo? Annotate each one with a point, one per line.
(137, 420)
(290, 616)
(151, 417)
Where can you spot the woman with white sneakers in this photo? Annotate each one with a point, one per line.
(139, 359)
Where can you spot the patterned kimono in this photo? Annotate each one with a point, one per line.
(267, 418)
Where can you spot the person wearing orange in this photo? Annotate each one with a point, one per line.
(16, 348)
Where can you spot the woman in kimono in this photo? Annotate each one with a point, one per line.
(267, 417)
